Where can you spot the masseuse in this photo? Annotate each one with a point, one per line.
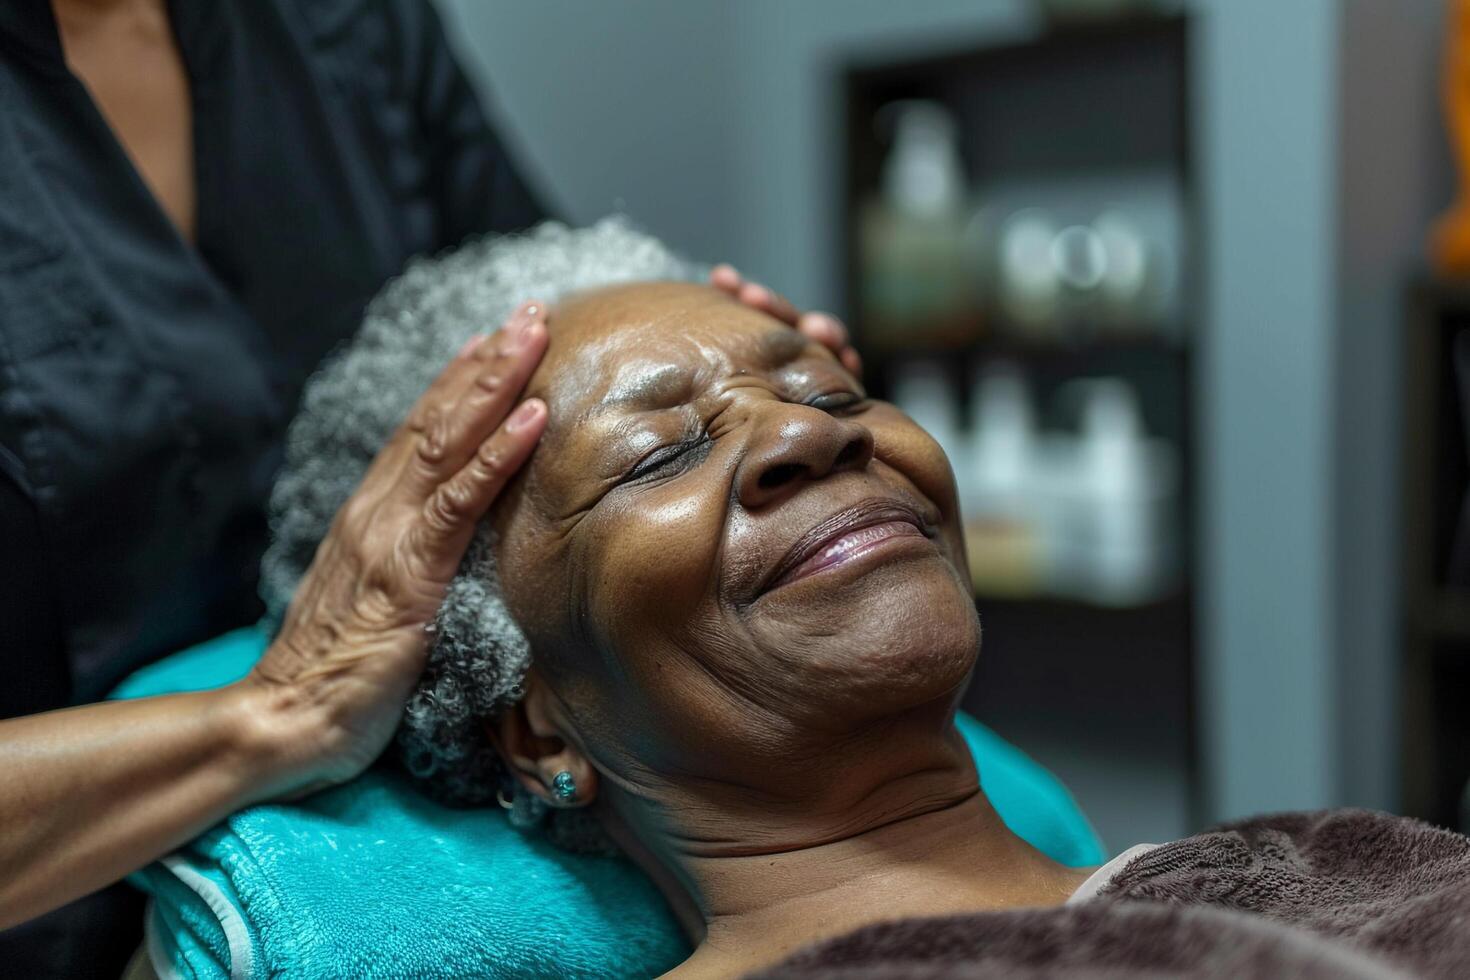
(196, 201)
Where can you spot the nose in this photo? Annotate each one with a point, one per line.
(794, 445)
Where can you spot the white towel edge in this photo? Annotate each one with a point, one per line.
(237, 935)
(1105, 874)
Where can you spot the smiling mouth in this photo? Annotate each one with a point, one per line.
(846, 537)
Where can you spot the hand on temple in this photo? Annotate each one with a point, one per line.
(354, 640)
(328, 693)
(821, 327)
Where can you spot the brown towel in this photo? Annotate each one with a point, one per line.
(1346, 893)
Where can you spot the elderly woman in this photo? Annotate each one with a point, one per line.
(738, 623)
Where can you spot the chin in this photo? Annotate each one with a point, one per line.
(919, 637)
(908, 635)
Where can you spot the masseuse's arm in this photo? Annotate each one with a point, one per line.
(89, 794)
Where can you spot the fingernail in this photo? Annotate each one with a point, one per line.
(524, 414)
(827, 322)
(525, 316)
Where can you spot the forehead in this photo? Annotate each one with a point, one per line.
(643, 346)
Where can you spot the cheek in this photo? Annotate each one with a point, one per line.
(650, 584)
(654, 562)
(908, 449)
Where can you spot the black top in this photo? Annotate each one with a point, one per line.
(145, 383)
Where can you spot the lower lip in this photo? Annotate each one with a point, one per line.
(851, 547)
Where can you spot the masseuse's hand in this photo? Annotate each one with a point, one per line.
(354, 639)
(328, 693)
(824, 328)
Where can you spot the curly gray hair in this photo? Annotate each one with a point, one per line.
(478, 656)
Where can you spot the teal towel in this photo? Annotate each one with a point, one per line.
(374, 880)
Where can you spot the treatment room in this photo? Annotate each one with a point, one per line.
(783, 489)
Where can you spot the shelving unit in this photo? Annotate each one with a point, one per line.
(1103, 695)
(1436, 604)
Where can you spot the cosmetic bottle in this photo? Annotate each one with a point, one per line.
(1126, 486)
(916, 288)
(1001, 531)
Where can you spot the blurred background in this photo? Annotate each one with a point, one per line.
(1154, 274)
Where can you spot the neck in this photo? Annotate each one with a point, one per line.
(923, 843)
(75, 18)
(102, 5)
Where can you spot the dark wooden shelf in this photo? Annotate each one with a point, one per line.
(1158, 368)
(1001, 345)
(1056, 37)
(1444, 294)
(1095, 97)
(1435, 616)
(1444, 615)
(1054, 605)
(1078, 668)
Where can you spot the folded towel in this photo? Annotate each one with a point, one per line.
(374, 879)
(1343, 894)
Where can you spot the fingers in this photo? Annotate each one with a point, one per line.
(506, 365)
(756, 296)
(825, 329)
(725, 278)
(828, 331)
(472, 397)
(453, 509)
(821, 327)
(470, 345)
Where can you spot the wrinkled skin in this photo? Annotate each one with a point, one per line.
(642, 567)
(776, 750)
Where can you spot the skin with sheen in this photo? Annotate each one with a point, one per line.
(330, 690)
(125, 53)
(745, 595)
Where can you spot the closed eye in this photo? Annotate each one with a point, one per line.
(837, 401)
(671, 460)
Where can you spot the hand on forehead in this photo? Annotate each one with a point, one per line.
(641, 346)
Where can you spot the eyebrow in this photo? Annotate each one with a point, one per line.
(660, 386)
(782, 345)
(666, 385)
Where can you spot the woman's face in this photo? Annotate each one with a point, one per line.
(722, 549)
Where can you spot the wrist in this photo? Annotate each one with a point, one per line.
(274, 737)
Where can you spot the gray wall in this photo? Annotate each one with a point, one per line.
(614, 106)
(713, 124)
(1266, 108)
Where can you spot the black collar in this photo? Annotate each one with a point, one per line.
(29, 30)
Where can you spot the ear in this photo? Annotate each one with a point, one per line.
(529, 737)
